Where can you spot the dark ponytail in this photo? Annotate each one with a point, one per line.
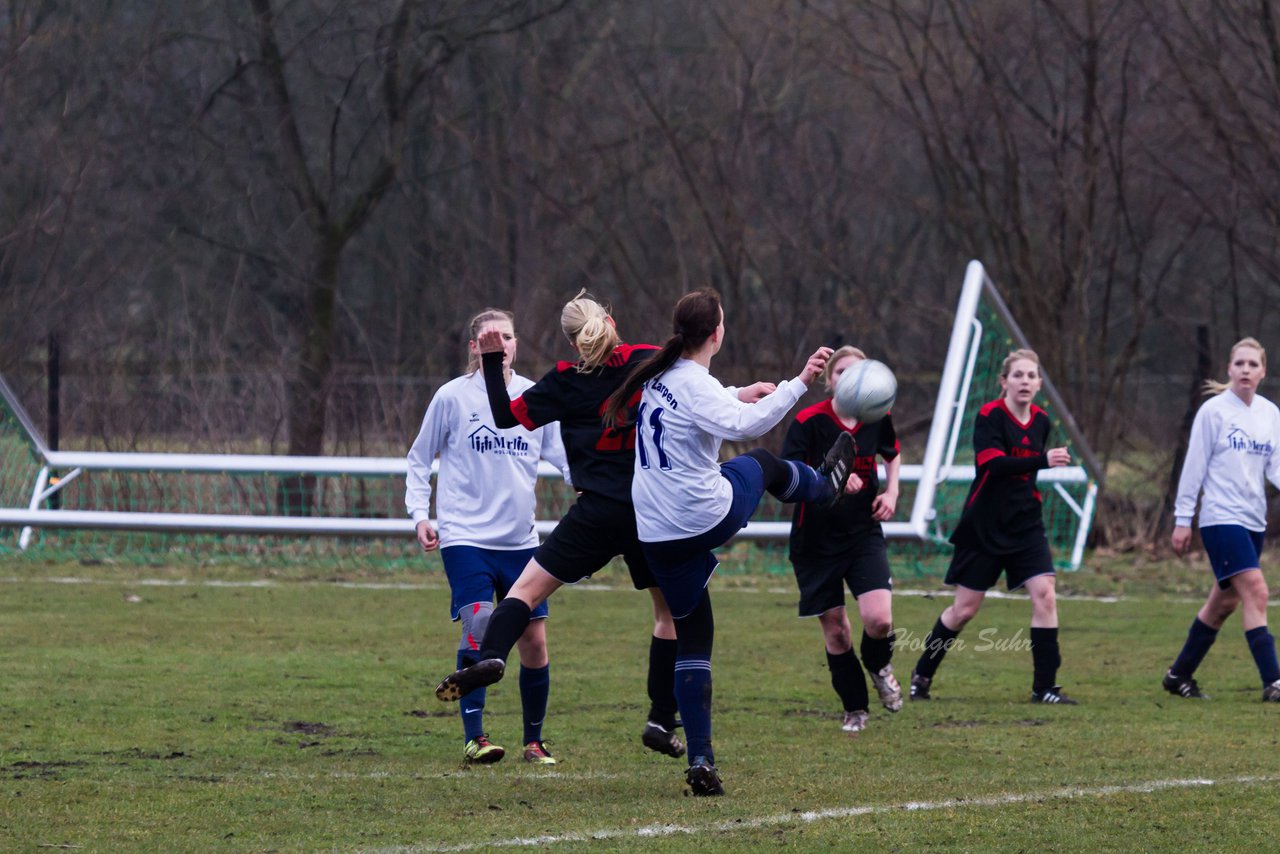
(694, 320)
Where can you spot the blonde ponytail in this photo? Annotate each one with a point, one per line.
(587, 325)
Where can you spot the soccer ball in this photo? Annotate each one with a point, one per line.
(866, 391)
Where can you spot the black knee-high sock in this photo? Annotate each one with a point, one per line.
(847, 679)
(507, 624)
(788, 480)
(876, 652)
(1045, 658)
(937, 643)
(662, 682)
(777, 473)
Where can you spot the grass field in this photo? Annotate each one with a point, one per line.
(298, 715)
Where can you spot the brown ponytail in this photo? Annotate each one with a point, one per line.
(695, 319)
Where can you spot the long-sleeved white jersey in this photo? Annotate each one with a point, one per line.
(684, 415)
(485, 493)
(1234, 448)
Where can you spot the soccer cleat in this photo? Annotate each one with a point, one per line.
(703, 778)
(659, 739)
(920, 686)
(536, 753)
(855, 721)
(481, 751)
(837, 465)
(1183, 686)
(1053, 695)
(1271, 693)
(462, 682)
(888, 688)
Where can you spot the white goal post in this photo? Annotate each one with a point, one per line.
(938, 467)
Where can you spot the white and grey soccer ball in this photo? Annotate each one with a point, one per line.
(866, 391)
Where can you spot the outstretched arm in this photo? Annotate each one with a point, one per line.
(495, 385)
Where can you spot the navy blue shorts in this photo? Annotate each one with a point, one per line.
(1232, 549)
(683, 567)
(980, 570)
(478, 575)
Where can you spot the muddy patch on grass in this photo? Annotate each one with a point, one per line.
(34, 770)
(309, 728)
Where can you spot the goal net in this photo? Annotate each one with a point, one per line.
(984, 333)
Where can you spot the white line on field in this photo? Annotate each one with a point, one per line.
(658, 830)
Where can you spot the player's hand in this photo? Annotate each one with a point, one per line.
(816, 365)
(1058, 457)
(427, 536)
(853, 485)
(490, 341)
(884, 505)
(1181, 539)
(756, 391)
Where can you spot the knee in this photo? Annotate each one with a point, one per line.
(838, 639)
(1217, 610)
(663, 626)
(1044, 602)
(533, 650)
(1255, 590)
(836, 630)
(960, 615)
(877, 625)
(532, 645)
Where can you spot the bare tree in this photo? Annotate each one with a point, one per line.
(325, 101)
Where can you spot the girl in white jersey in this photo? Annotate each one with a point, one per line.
(485, 510)
(1231, 454)
(687, 504)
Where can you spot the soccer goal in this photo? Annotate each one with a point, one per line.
(158, 506)
(984, 332)
(934, 490)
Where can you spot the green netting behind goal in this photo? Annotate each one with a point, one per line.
(1062, 521)
(19, 460)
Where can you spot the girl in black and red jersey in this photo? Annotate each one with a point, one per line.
(833, 545)
(601, 524)
(1002, 529)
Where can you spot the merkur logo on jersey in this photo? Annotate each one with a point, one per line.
(486, 441)
(1240, 441)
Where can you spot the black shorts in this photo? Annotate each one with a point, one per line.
(594, 531)
(863, 567)
(980, 570)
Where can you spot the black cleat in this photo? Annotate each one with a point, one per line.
(1183, 687)
(1271, 693)
(837, 465)
(703, 778)
(659, 739)
(459, 683)
(1053, 696)
(920, 686)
